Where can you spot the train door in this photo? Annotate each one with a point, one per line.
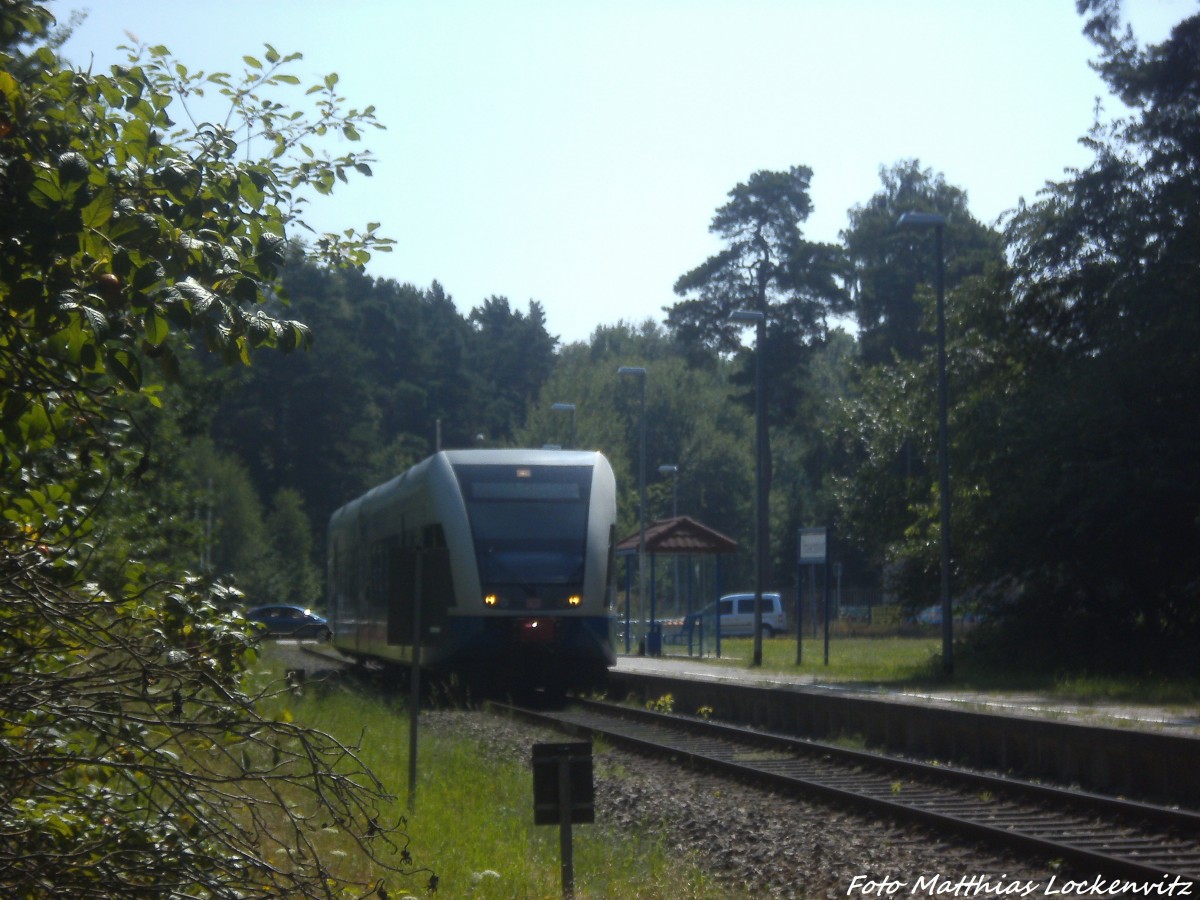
(335, 598)
(437, 582)
(403, 588)
(346, 601)
(431, 557)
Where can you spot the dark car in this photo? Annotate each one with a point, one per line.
(290, 621)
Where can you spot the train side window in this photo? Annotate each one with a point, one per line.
(612, 556)
(335, 575)
(434, 536)
(726, 608)
(377, 576)
(350, 574)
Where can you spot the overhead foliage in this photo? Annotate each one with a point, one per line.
(766, 265)
(887, 263)
(1107, 273)
(1073, 375)
(132, 762)
(890, 505)
(396, 367)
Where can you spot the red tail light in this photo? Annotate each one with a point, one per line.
(536, 631)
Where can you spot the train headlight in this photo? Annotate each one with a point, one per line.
(491, 600)
(574, 600)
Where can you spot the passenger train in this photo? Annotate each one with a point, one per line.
(500, 560)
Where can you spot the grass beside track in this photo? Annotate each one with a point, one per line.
(878, 660)
(473, 822)
(915, 662)
(473, 817)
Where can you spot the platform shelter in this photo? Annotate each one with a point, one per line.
(688, 542)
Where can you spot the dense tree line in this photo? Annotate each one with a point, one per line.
(1100, 321)
(393, 370)
(1072, 370)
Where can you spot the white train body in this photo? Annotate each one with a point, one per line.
(509, 553)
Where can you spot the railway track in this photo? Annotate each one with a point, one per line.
(1155, 847)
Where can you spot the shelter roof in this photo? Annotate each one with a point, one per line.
(680, 536)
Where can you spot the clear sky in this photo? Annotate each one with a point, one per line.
(573, 152)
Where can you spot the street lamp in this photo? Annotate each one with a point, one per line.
(567, 408)
(673, 471)
(760, 482)
(639, 372)
(938, 223)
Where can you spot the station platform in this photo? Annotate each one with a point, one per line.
(1181, 720)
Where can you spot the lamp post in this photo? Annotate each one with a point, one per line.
(760, 481)
(567, 408)
(639, 372)
(673, 471)
(938, 223)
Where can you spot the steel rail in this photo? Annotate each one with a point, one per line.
(1108, 835)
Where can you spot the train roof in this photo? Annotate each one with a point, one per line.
(491, 456)
(518, 456)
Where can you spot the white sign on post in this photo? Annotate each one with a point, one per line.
(812, 545)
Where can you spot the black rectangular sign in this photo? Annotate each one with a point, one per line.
(558, 770)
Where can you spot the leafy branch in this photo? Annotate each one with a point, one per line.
(133, 761)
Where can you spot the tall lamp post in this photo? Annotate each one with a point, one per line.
(639, 372)
(938, 223)
(760, 480)
(673, 471)
(567, 408)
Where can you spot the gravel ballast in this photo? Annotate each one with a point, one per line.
(762, 844)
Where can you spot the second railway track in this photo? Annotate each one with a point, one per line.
(1154, 847)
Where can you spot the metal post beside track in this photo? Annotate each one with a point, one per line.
(563, 795)
(414, 713)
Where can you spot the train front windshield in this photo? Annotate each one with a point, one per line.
(529, 524)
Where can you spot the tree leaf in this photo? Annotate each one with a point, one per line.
(47, 191)
(99, 211)
(200, 297)
(156, 327)
(123, 365)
